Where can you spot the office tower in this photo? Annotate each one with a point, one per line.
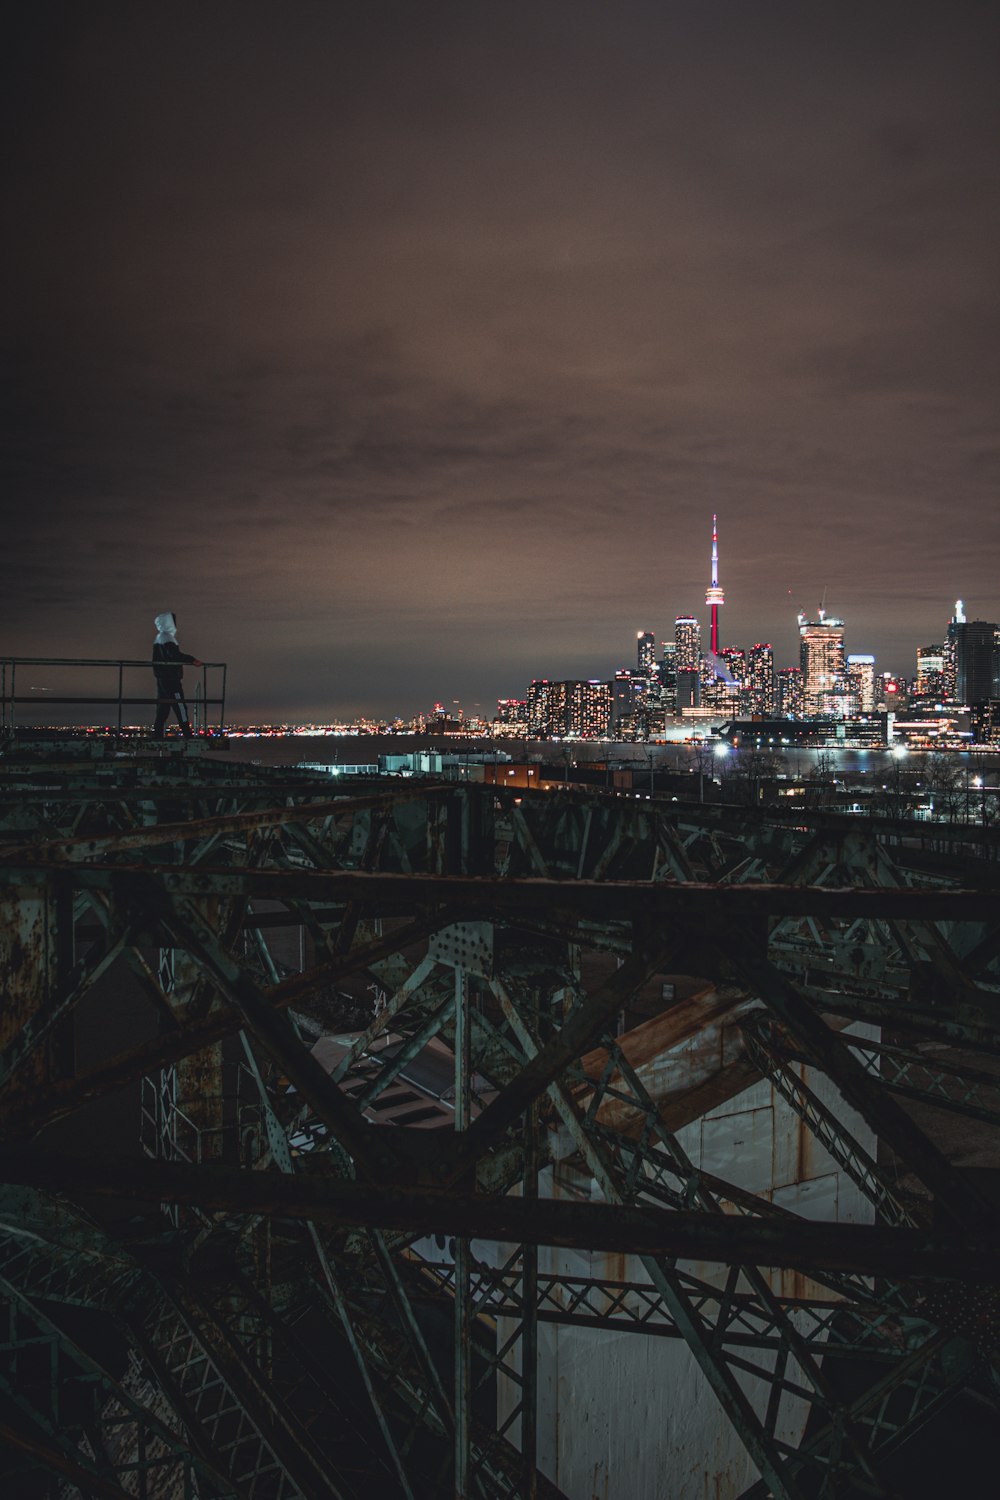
(789, 693)
(861, 676)
(840, 702)
(646, 654)
(975, 660)
(627, 693)
(890, 692)
(688, 689)
(687, 642)
(950, 668)
(735, 659)
(821, 657)
(687, 654)
(930, 672)
(723, 676)
(759, 682)
(713, 594)
(668, 676)
(629, 714)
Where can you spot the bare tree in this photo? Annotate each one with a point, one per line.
(750, 772)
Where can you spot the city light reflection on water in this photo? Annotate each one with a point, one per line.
(789, 761)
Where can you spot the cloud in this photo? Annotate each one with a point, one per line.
(410, 353)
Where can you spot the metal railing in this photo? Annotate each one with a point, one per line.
(44, 698)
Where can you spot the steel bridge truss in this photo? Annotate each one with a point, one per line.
(331, 1266)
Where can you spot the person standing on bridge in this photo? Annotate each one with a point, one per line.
(168, 667)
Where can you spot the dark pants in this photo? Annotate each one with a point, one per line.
(171, 698)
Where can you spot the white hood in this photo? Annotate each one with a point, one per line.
(166, 629)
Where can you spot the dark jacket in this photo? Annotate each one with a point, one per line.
(168, 665)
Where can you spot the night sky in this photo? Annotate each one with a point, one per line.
(406, 350)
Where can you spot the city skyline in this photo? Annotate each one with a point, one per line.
(404, 355)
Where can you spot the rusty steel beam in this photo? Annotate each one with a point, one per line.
(389, 893)
(535, 1076)
(24, 1110)
(19, 1435)
(412, 1183)
(725, 1239)
(831, 1054)
(74, 849)
(273, 1030)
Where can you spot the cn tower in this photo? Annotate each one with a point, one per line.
(713, 594)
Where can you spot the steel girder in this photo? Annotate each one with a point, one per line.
(188, 858)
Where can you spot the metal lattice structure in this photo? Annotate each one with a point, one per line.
(408, 1111)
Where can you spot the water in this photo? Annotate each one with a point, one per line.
(852, 766)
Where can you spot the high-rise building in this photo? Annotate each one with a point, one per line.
(512, 711)
(821, 656)
(975, 660)
(588, 709)
(759, 684)
(540, 708)
(570, 708)
(668, 676)
(890, 692)
(790, 702)
(687, 640)
(735, 659)
(511, 721)
(930, 672)
(985, 719)
(861, 680)
(723, 676)
(627, 696)
(646, 654)
(688, 689)
(839, 702)
(714, 595)
(950, 668)
(687, 654)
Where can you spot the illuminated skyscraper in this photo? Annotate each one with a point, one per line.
(789, 692)
(512, 715)
(975, 660)
(687, 655)
(687, 640)
(723, 682)
(571, 708)
(861, 674)
(890, 692)
(821, 655)
(759, 683)
(646, 654)
(589, 709)
(540, 708)
(930, 672)
(950, 668)
(668, 676)
(735, 659)
(713, 594)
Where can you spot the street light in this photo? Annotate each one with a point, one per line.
(899, 754)
(979, 784)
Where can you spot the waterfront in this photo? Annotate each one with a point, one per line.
(794, 762)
